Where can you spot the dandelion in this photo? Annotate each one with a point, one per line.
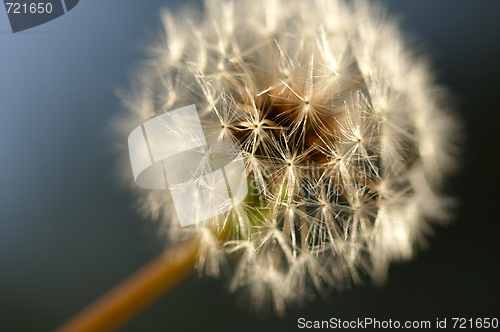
(344, 135)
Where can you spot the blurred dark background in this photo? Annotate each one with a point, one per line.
(69, 232)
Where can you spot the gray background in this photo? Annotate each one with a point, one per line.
(68, 232)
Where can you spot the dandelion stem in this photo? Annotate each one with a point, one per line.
(137, 292)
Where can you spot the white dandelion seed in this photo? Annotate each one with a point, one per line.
(343, 133)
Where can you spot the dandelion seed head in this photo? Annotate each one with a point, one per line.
(345, 139)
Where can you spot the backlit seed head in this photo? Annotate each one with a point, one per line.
(344, 135)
